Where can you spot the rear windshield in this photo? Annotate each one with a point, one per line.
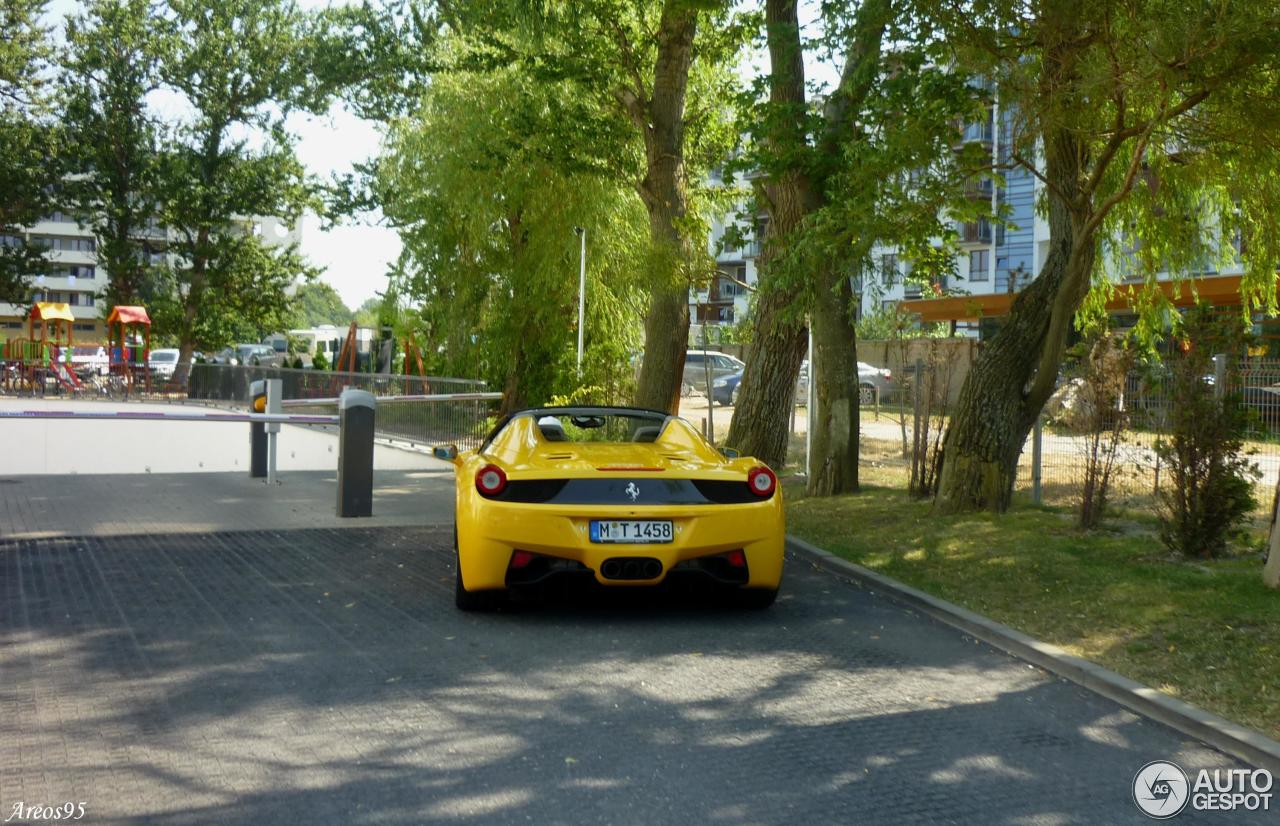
(600, 427)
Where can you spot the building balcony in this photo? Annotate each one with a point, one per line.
(975, 232)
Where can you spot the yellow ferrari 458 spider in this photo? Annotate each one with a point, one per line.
(626, 496)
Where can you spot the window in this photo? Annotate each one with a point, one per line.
(84, 328)
(979, 265)
(86, 299)
(889, 268)
(11, 241)
(65, 243)
(73, 299)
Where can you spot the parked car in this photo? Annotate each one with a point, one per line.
(724, 390)
(695, 368)
(250, 354)
(163, 362)
(870, 377)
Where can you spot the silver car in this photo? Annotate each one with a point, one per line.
(870, 378)
(695, 368)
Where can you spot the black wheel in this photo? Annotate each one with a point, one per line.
(755, 599)
(470, 600)
(866, 395)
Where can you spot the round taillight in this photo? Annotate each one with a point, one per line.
(491, 480)
(762, 481)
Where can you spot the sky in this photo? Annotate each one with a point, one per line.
(356, 256)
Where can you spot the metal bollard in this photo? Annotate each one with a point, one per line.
(257, 431)
(355, 453)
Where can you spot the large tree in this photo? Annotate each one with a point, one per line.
(30, 169)
(112, 64)
(1149, 121)
(318, 303)
(478, 183)
(872, 164)
(242, 66)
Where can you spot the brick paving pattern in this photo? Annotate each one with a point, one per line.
(315, 675)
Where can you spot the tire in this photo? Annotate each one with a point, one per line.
(470, 601)
(866, 395)
(755, 599)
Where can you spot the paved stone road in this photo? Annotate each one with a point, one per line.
(321, 675)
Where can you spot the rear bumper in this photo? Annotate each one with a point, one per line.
(489, 532)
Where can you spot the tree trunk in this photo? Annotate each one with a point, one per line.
(1017, 371)
(833, 461)
(187, 335)
(761, 418)
(661, 122)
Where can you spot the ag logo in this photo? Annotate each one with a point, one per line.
(1161, 789)
(633, 491)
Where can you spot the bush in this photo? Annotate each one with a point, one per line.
(1212, 479)
(1099, 415)
(318, 361)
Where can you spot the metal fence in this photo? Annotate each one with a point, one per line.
(462, 419)
(230, 383)
(1054, 471)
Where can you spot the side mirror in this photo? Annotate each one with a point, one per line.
(730, 453)
(446, 453)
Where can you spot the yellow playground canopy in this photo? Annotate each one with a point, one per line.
(52, 311)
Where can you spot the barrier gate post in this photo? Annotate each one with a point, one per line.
(355, 453)
(257, 431)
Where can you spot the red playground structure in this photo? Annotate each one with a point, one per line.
(129, 346)
(45, 353)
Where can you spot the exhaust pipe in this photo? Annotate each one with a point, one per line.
(652, 569)
(611, 569)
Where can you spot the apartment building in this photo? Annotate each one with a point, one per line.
(74, 277)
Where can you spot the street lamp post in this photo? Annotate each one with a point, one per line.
(582, 290)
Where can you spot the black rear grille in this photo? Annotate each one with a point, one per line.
(531, 490)
(725, 493)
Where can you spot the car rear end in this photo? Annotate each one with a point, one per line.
(635, 514)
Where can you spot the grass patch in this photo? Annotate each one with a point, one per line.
(1206, 632)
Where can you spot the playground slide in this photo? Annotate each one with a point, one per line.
(66, 377)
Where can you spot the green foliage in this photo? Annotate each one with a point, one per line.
(476, 183)
(112, 63)
(29, 142)
(242, 66)
(317, 303)
(1211, 488)
(367, 314)
(319, 361)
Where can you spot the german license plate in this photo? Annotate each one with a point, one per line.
(642, 531)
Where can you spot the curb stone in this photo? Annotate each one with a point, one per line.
(1245, 744)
